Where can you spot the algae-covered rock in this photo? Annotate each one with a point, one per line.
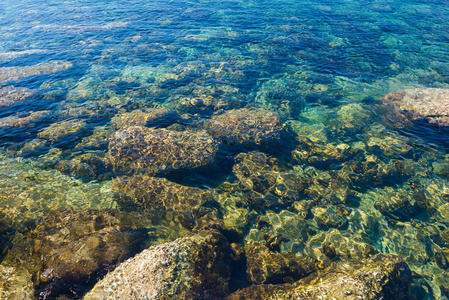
(15, 284)
(144, 117)
(329, 217)
(195, 267)
(70, 248)
(247, 127)
(382, 277)
(160, 150)
(85, 166)
(10, 95)
(23, 120)
(61, 129)
(267, 266)
(271, 183)
(29, 192)
(430, 104)
(157, 194)
(14, 73)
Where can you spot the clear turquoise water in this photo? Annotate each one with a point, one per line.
(321, 65)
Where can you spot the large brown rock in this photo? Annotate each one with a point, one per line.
(10, 95)
(247, 127)
(431, 104)
(157, 194)
(68, 249)
(267, 266)
(143, 117)
(383, 277)
(194, 267)
(160, 150)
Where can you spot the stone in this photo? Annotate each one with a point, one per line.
(430, 104)
(143, 117)
(381, 277)
(61, 129)
(246, 126)
(267, 179)
(15, 284)
(67, 249)
(23, 120)
(156, 151)
(15, 73)
(267, 266)
(10, 95)
(194, 267)
(143, 192)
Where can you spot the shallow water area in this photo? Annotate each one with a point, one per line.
(128, 125)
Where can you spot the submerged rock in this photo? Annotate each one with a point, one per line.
(430, 104)
(267, 266)
(23, 120)
(195, 267)
(157, 194)
(160, 150)
(68, 249)
(382, 277)
(15, 284)
(10, 95)
(14, 73)
(143, 117)
(61, 129)
(265, 177)
(247, 127)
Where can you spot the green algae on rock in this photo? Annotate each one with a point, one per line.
(194, 267)
(141, 149)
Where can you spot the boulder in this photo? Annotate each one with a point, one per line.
(157, 194)
(143, 117)
(49, 67)
(10, 95)
(15, 284)
(430, 104)
(68, 250)
(155, 151)
(247, 127)
(267, 266)
(382, 277)
(194, 267)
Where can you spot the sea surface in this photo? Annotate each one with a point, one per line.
(81, 81)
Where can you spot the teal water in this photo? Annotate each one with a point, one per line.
(78, 67)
